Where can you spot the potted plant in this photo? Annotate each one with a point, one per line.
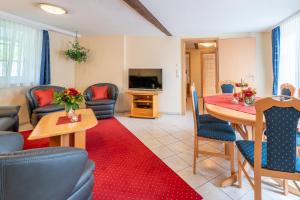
(71, 98)
(77, 53)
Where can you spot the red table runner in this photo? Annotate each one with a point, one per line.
(66, 120)
(225, 100)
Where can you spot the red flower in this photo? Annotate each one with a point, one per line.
(73, 92)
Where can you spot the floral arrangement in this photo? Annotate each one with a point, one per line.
(249, 96)
(77, 52)
(70, 97)
(238, 97)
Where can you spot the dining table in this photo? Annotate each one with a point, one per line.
(242, 118)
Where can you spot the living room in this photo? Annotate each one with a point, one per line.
(68, 74)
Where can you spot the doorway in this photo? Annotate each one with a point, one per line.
(201, 67)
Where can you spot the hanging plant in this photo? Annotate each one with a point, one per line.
(77, 53)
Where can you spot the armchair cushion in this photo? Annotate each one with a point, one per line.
(49, 108)
(44, 97)
(99, 92)
(10, 141)
(9, 111)
(100, 102)
(7, 124)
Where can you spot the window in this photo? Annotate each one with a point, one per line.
(289, 70)
(20, 54)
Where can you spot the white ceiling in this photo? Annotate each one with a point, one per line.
(180, 17)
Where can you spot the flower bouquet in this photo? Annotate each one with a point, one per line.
(249, 96)
(71, 98)
(237, 97)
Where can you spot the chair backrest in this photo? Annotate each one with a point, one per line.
(227, 87)
(195, 106)
(48, 173)
(281, 118)
(32, 102)
(113, 91)
(287, 89)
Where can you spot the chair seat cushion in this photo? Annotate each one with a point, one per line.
(223, 132)
(246, 147)
(100, 102)
(49, 108)
(207, 119)
(6, 123)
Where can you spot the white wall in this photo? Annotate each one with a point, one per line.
(159, 52)
(105, 64)
(237, 59)
(62, 73)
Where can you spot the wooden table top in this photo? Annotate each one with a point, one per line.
(230, 115)
(47, 127)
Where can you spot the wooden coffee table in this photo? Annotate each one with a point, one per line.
(64, 135)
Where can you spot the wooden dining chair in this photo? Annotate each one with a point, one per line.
(287, 89)
(209, 128)
(227, 87)
(276, 156)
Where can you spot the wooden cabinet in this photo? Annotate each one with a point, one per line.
(144, 104)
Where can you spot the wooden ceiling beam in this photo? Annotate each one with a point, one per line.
(144, 12)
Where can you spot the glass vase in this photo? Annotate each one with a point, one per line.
(249, 101)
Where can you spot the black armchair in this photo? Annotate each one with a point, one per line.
(36, 112)
(43, 174)
(9, 119)
(104, 108)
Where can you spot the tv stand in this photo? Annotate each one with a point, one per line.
(144, 104)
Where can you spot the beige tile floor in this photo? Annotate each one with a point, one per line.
(171, 138)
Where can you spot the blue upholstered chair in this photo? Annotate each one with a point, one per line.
(209, 128)
(276, 156)
(287, 89)
(58, 173)
(227, 87)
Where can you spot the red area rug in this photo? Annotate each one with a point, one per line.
(125, 168)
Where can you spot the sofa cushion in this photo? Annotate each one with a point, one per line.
(9, 111)
(7, 124)
(100, 92)
(44, 97)
(100, 102)
(49, 108)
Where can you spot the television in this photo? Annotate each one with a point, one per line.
(145, 79)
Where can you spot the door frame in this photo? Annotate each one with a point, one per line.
(183, 66)
(209, 51)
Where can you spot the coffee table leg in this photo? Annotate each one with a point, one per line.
(60, 141)
(79, 139)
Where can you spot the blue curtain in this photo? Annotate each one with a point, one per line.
(45, 76)
(275, 57)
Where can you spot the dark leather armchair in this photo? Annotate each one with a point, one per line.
(102, 108)
(9, 119)
(36, 112)
(43, 174)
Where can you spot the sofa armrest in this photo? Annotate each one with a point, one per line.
(9, 111)
(10, 141)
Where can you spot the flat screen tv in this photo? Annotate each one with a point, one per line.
(145, 79)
